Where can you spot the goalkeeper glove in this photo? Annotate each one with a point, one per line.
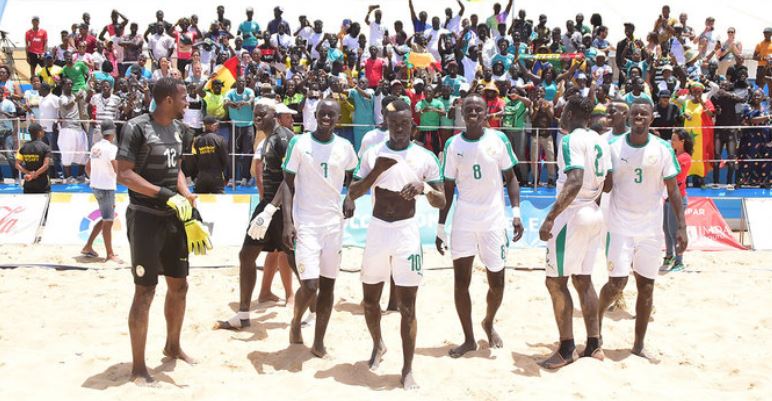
(260, 223)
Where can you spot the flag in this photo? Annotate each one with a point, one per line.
(700, 127)
(420, 60)
(227, 73)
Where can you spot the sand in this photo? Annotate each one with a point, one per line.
(64, 335)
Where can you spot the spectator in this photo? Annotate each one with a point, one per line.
(114, 28)
(755, 145)
(543, 118)
(682, 145)
(516, 110)
(184, 38)
(106, 106)
(249, 30)
(210, 159)
(240, 101)
(33, 161)
(36, 43)
(131, 44)
(761, 54)
(9, 126)
(152, 27)
(10, 85)
(49, 115)
(85, 36)
(273, 25)
(430, 110)
(364, 110)
(666, 115)
(102, 169)
(72, 140)
(160, 45)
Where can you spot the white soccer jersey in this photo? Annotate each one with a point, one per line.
(635, 208)
(476, 166)
(584, 149)
(372, 137)
(320, 170)
(414, 163)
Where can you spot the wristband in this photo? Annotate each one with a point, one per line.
(516, 212)
(164, 194)
(427, 188)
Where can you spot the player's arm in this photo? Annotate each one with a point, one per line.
(674, 197)
(513, 191)
(442, 238)
(435, 193)
(571, 188)
(287, 194)
(360, 187)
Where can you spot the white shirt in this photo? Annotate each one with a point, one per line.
(377, 31)
(350, 42)
(414, 163)
(470, 68)
(584, 149)
(309, 114)
(372, 138)
(283, 41)
(306, 33)
(635, 207)
(476, 168)
(103, 174)
(489, 50)
(433, 41)
(314, 40)
(454, 25)
(49, 112)
(160, 45)
(320, 171)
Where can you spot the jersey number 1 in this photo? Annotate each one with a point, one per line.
(171, 157)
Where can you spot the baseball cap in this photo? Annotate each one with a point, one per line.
(266, 101)
(664, 93)
(768, 30)
(250, 10)
(418, 81)
(279, 9)
(282, 108)
(395, 82)
(35, 17)
(464, 87)
(581, 76)
(667, 67)
(600, 54)
(107, 127)
(346, 22)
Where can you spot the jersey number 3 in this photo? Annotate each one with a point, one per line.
(171, 157)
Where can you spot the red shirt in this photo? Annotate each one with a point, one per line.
(374, 71)
(685, 161)
(414, 99)
(495, 106)
(90, 42)
(36, 41)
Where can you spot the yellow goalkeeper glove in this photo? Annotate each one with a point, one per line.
(198, 237)
(181, 206)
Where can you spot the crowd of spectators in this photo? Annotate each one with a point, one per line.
(525, 68)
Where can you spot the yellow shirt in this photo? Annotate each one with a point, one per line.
(50, 75)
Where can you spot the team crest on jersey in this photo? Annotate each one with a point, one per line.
(490, 150)
(651, 160)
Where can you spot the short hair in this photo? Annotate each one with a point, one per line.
(165, 87)
(580, 106)
(642, 101)
(107, 66)
(35, 128)
(397, 106)
(387, 100)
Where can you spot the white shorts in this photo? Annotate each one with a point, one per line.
(318, 251)
(490, 246)
(575, 241)
(393, 250)
(73, 145)
(642, 254)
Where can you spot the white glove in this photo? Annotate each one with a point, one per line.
(260, 223)
(442, 235)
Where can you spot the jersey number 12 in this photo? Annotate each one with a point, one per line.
(171, 157)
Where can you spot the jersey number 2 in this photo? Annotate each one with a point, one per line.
(171, 157)
(598, 154)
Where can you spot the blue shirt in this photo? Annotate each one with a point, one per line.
(505, 59)
(249, 30)
(454, 83)
(147, 74)
(100, 76)
(242, 115)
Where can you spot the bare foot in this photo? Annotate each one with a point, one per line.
(494, 341)
(290, 300)
(115, 259)
(320, 351)
(179, 354)
(598, 354)
(143, 379)
(408, 382)
(377, 356)
(462, 349)
(641, 352)
(296, 336)
(267, 298)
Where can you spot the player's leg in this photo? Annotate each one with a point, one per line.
(493, 247)
(324, 302)
(88, 249)
(372, 308)
(174, 259)
(285, 272)
(308, 251)
(408, 331)
(269, 270)
(303, 297)
(588, 299)
(329, 263)
(391, 306)
(586, 239)
(138, 321)
(462, 276)
(558, 268)
(619, 256)
(643, 306)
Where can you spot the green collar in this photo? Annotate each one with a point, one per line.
(627, 139)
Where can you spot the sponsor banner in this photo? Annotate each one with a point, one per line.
(20, 217)
(706, 229)
(73, 216)
(759, 213)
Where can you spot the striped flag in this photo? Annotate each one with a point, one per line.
(227, 73)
